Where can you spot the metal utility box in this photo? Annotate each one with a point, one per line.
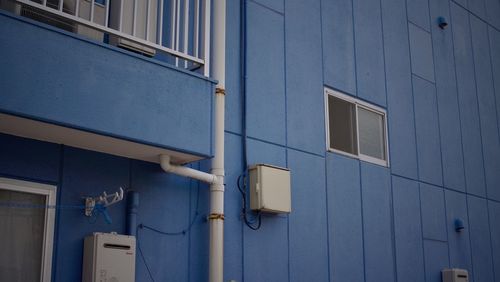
(108, 257)
(455, 275)
(270, 188)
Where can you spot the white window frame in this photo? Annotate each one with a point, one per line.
(48, 237)
(366, 106)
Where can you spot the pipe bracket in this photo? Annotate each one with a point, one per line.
(214, 216)
(219, 90)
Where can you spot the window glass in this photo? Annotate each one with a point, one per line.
(342, 120)
(21, 239)
(371, 133)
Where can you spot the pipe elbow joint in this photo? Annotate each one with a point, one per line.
(165, 163)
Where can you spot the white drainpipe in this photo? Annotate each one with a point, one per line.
(216, 176)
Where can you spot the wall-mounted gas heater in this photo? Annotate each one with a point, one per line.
(108, 257)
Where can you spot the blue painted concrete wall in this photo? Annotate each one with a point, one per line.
(59, 78)
(350, 220)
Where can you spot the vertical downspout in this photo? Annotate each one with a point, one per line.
(132, 206)
(216, 218)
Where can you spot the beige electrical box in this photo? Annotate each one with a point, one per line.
(270, 188)
(108, 257)
(455, 275)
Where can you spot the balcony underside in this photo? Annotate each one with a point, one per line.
(48, 132)
(59, 87)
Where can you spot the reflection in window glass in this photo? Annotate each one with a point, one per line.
(342, 119)
(21, 239)
(371, 133)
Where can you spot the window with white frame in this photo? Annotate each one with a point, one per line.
(26, 236)
(355, 128)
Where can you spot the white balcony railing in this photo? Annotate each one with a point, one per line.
(177, 31)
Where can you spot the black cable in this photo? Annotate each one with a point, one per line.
(182, 232)
(142, 255)
(244, 213)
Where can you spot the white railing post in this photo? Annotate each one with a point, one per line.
(206, 37)
(159, 24)
(181, 34)
(186, 30)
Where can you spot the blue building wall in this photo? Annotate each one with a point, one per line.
(350, 220)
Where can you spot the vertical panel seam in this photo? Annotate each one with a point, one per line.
(446, 226)
(458, 100)
(435, 93)
(477, 106)
(470, 235)
(421, 228)
(57, 225)
(491, 240)
(286, 130)
(412, 91)
(393, 231)
(354, 49)
(324, 138)
(391, 201)
(493, 82)
(362, 219)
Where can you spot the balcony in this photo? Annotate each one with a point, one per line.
(128, 78)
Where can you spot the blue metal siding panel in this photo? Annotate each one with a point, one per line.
(164, 205)
(233, 249)
(487, 107)
(86, 85)
(276, 5)
(234, 96)
(198, 249)
(369, 51)
(308, 222)
(433, 212)
(304, 79)
(422, 63)
(376, 194)
(436, 258)
(492, 12)
(446, 90)
(477, 7)
(20, 157)
(418, 13)
(480, 241)
(266, 74)
(345, 226)
(86, 174)
(407, 230)
(402, 144)
(427, 130)
(469, 116)
(494, 36)
(339, 62)
(459, 243)
(266, 251)
(462, 3)
(494, 216)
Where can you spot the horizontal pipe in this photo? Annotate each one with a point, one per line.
(186, 171)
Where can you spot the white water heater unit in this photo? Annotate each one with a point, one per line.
(108, 257)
